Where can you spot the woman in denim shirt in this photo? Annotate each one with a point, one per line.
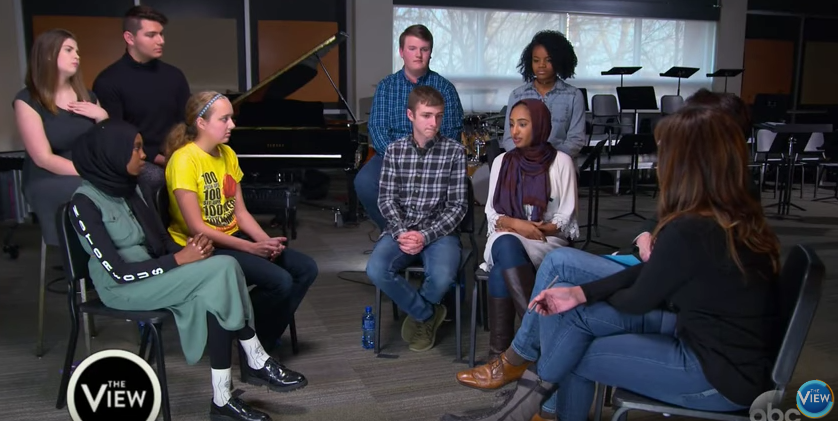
(545, 64)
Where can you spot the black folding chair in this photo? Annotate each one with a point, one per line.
(75, 266)
(800, 289)
(466, 227)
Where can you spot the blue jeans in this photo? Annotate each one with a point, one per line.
(281, 286)
(573, 267)
(640, 353)
(441, 260)
(507, 252)
(366, 186)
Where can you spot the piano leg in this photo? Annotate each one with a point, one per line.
(351, 215)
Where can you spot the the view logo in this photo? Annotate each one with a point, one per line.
(814, 400)
(117, 394)
(113, 385)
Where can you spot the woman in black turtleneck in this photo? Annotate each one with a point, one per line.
(697, 325)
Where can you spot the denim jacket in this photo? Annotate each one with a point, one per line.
(567, 108)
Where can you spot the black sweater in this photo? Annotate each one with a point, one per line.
(729, 319)
(152, 96)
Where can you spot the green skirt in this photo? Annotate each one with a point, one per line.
(215, 285)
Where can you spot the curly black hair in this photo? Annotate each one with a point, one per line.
(561, 53)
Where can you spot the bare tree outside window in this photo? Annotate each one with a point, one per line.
(478, 49)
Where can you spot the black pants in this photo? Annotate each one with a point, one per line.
(218, 342)
(281, 286)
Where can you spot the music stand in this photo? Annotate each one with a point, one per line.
(622, 71)
(634, 145)
(593, 162)
(637, 98)
(680, 73)
(796, 136)
(725, 73)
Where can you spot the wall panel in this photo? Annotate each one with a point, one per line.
(315, 13)
(99, 38)
(769, 68)
(191, 46)
(11, 41)
(820, 84)
(78, 8)
(206, 50)
(276, 52)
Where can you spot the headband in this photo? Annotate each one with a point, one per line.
(209, 104)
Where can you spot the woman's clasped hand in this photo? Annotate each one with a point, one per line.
(197, 248)
(269, 248)
(532, 230)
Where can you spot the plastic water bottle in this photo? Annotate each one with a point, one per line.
(368, 328)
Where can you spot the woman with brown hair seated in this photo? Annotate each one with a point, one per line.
(697, 325)
(51, 112)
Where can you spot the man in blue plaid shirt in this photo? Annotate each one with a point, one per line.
(388, 121)
(423, 196)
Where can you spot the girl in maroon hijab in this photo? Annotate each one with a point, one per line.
(531, 210)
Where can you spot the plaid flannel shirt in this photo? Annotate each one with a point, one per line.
(423, 189)
(388, 116)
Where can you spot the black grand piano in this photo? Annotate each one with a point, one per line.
(276, 139)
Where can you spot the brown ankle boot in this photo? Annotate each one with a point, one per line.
(501, 325)
(492, 375)
(520, 281)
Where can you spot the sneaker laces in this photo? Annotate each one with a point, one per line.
(424, 330)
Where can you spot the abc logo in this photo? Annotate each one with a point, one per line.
(765, 408)
(113, 385)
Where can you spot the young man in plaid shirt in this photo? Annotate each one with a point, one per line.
(422, 195)
(388, 121)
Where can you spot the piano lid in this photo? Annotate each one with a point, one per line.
(293, 76)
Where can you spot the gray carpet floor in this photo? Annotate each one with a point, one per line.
(347, 382)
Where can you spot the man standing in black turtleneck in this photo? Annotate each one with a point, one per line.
(144, 91)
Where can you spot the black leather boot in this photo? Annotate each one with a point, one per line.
(273, 375)
(236, 410)
(520, 281)
(501, 325)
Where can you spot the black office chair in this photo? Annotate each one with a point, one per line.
(161, 204)
(75, 266)
(605, 113)
(800, 289)
(466, 227)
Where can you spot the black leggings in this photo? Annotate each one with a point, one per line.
(218, 342)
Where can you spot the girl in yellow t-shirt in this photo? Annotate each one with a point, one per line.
(202, 179)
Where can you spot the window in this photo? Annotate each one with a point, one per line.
(478, 50)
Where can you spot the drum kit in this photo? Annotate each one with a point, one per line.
(478, 131)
